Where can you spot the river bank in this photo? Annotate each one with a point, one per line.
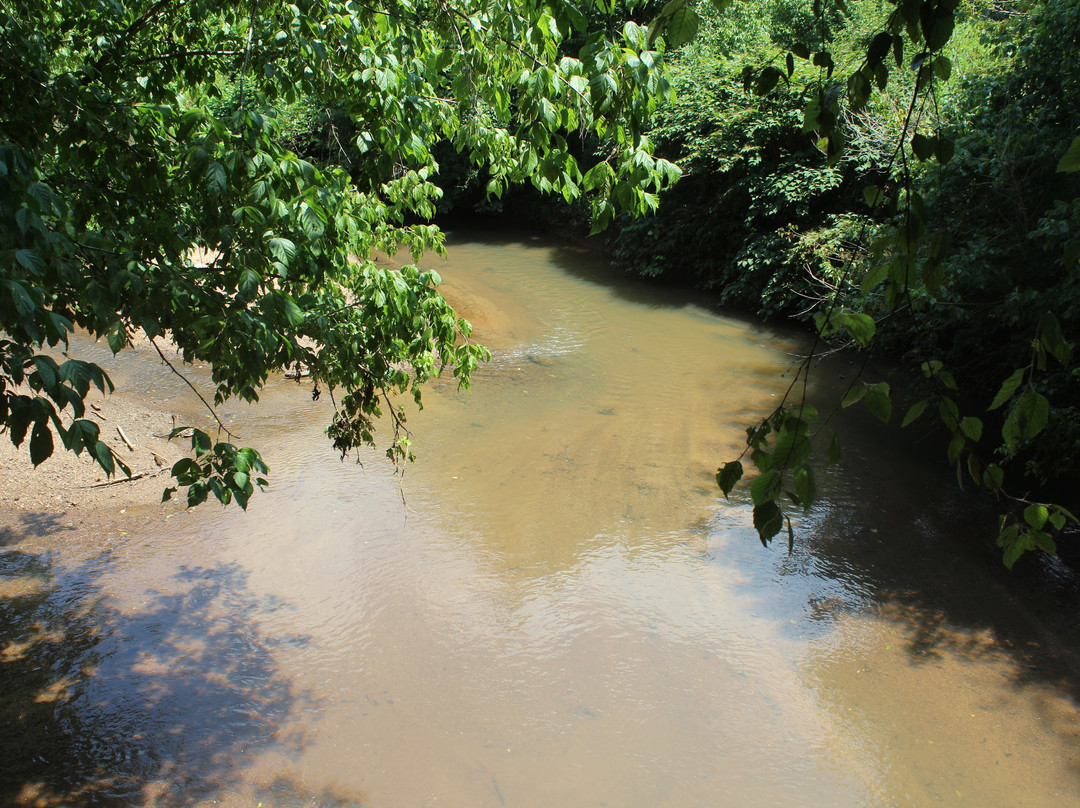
(75, 491)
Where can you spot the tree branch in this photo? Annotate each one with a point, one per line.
(195, 390)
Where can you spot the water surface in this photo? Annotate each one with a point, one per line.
(553, 606)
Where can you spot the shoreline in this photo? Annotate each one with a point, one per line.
(73, 492)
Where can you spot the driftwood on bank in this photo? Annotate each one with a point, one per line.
(124, 438)
(131, 479)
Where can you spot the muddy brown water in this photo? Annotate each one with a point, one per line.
(554, 607)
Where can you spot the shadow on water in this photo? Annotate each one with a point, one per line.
(158, 705)
(897, 542)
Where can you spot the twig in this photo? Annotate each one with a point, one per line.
(124, 438)
(194, 389)
(130, 479)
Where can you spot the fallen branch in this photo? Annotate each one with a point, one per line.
(124, 438)
(130, 479)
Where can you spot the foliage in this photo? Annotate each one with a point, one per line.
(779, 219)
(148, 184)
(972, 267)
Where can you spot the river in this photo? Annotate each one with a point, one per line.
(554, 605)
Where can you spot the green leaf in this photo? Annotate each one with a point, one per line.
(311, 221)
(914, 412)
(768, 520)
(974, 468)
(1036, 515)
(768, 80)
(41, 442)
(1060, 509)
(765, 487)
(972, 428)
(874, 196)
(875, 274)
(1052, 339)
(1027, 419)
(792, 447)
(944, 150)
(805, 486)
(117, 337)
(940, 32)
(854, 395)
(1070, 161)
(24, 303)
(1042, 540)
(942, 67)
(294, 315)
(879, 402)
(104, 456)
(728, 476)
(956, 446)
(216, 181)
(923, 146)
(186, 471)
(282, 249)
(47, 372)
(1014, 543)
(1008, 387)
(197, 494)
(30, 260)
(933, 274)
(861, 327)
(682, 27)
(879, 48)
(950, 413)
(994, 477)
(200, 441)
(18, 420)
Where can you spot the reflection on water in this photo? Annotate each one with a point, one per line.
(555, 606)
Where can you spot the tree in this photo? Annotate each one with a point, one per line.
(1025, 129)
(145, 187)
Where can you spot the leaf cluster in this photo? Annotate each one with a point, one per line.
(148, 183)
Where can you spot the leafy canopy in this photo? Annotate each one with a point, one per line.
(145, 187)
